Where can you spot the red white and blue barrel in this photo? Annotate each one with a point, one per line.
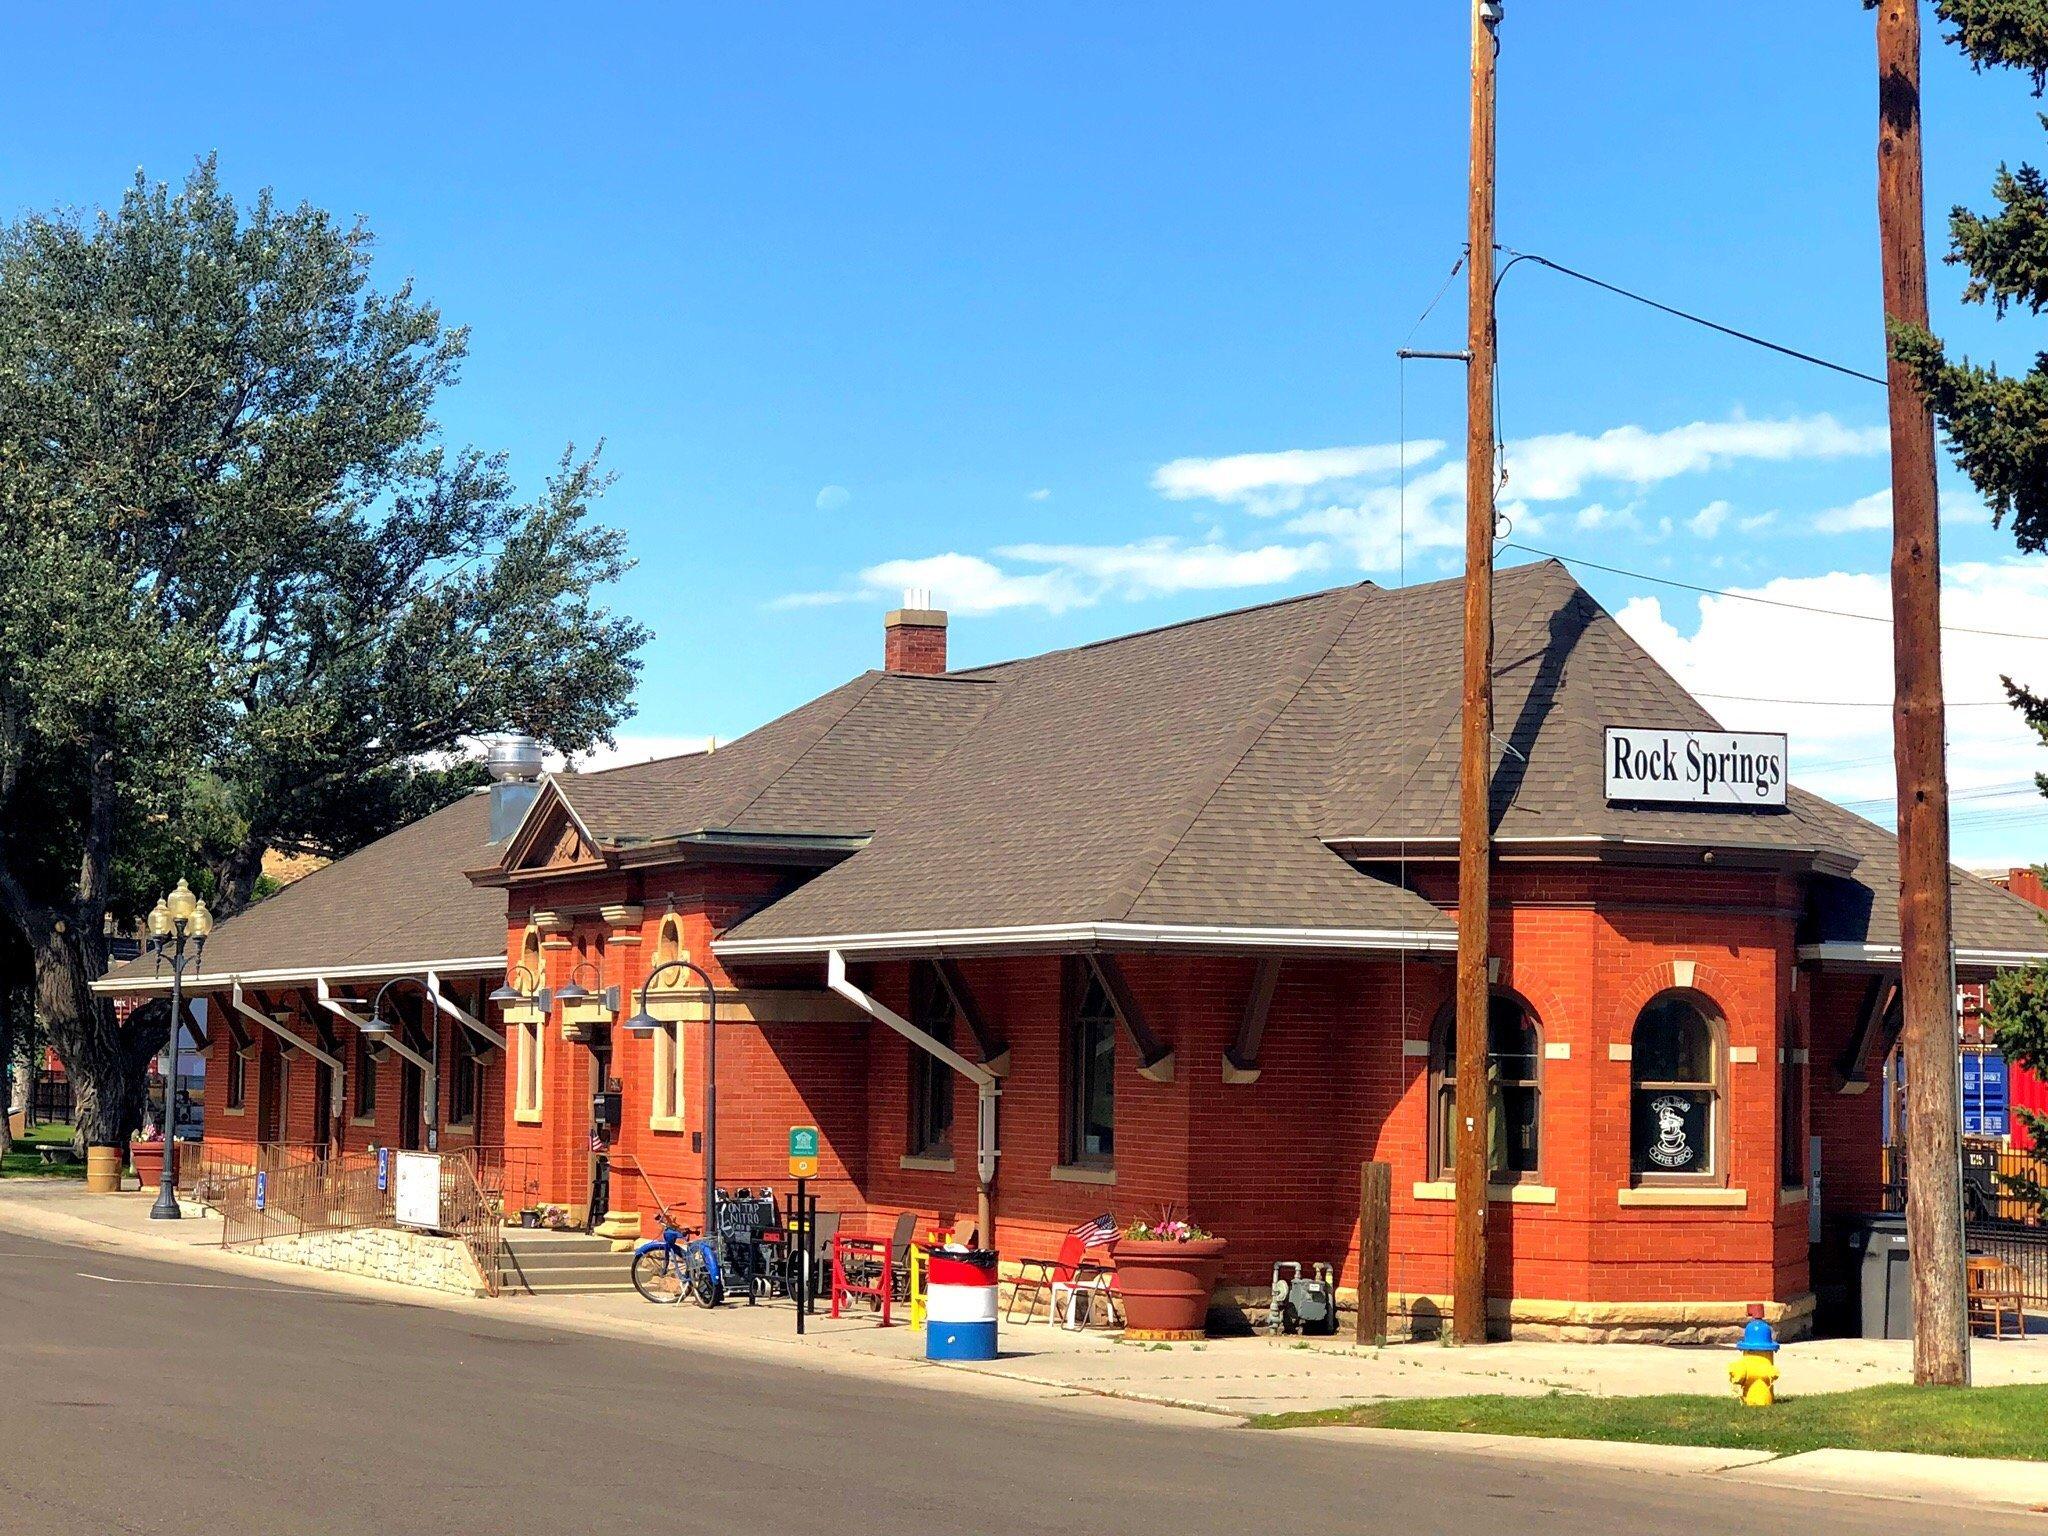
(960, 1304)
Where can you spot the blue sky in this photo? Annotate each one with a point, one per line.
(863, 297)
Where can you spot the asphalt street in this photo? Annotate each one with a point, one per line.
(139, 1394)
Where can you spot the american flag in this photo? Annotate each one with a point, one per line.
(1096, 1231)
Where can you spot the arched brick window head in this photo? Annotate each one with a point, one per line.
(1675, 1117)
(1514, 1091)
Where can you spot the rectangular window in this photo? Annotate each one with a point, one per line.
(238, 1076)
(931, 1080)
(668, 1078)
(465, 1079)
(528, 1045)
(364, 1070)
(1091, 1076)
(1792, 1111)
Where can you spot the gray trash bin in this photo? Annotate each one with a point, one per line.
(1881, 1277)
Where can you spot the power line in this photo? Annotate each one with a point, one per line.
(1515, 256)
(1751, 597)
(1747, 698)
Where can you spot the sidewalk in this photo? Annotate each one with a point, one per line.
(1220, 1382)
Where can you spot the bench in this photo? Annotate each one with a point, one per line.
(54, 1154)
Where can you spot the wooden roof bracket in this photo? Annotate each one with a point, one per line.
(257, 1016)
(989, 1043)
(1155, 1056)
(1874, 1020)
(986, 1088)
(461, 1015)
(1241, 1056)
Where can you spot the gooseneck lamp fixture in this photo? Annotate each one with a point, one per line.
(644, 1023)
(513, 995)
(573, 992)
(179, 926)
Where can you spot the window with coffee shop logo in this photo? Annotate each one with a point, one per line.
(1675, 1112)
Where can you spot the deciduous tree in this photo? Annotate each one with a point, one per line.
(249, 596)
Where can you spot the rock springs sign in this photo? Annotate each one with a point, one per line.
(1746, 769)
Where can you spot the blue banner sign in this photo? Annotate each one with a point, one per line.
(383, 1169)
(262, 1190)
(1987, 1097)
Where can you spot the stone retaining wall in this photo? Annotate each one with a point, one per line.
(381, 1253)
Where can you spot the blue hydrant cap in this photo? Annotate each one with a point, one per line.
(1757, 1337)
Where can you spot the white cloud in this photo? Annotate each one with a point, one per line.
(969, 584)
(1043, 493)
(833, 497)
(1153, 566)
(1757, 523)
(1368, 519)
(1708, 520)
(1057, 577)
(1596, 516)
(1561, 464)
(1743, 650)
(1280, 482)
(1872, 511)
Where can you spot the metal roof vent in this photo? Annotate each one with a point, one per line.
(514, 763)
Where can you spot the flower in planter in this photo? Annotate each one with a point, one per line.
(1166, 1227)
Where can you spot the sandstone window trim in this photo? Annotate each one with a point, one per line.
(1515, 1072)
(1678, 1050)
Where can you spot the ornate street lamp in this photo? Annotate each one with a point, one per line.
(178, 928)
(644, 1024)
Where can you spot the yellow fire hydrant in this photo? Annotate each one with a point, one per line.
(1754, 1373)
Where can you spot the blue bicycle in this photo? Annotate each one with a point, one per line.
(678, 1261)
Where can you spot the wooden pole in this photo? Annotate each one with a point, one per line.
(1934, 1213)
(1375, 1205)
(1475, 759)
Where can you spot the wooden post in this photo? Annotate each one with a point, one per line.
(1375, 1202)
(1934, 1213)
(1475, 759)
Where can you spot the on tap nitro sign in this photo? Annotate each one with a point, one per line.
(1731, 768)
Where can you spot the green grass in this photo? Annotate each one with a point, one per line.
(2009, 1422)
(24, 1162)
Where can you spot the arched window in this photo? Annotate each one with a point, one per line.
(1514, 1090)
(1675, 1074)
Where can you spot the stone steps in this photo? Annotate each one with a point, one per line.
(538, 1262)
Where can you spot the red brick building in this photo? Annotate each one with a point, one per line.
(1182, 904)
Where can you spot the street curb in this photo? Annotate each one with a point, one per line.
(1903, 1476)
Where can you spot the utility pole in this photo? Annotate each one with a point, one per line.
(1934, 1205)
(1475, 759)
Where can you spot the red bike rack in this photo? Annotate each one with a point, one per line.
(870, 1253)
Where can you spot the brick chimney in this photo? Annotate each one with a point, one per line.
(914, 636)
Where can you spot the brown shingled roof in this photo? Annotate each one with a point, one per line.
(402, 903)
(1200, 775)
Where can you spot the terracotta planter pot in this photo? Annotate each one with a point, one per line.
(148, 1157)
(1166, 1287)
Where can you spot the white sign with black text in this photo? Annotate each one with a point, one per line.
(416, 1190)
(1734, 768)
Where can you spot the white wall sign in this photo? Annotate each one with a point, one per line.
(1738, 768)
(416, 1191)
